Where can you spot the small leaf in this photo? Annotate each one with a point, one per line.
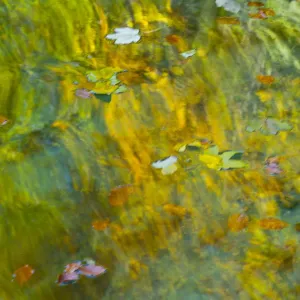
(124, 36)
(169, 169)
(188, 54)
(211, 161)
(120, 195)
(238, 222)
(234, 164)
(213, 150)
(265, 79)
(159, 164)
(254, 126)
(121, 89)
(103, 97)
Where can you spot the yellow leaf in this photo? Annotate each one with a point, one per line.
(264, 95)
(211, 161)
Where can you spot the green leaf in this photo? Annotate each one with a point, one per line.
(280, 125)
(234, 164)
(103, 97)
(213, 150)
(254, 125)
(121, 89)
(114, 80)
(229, 154)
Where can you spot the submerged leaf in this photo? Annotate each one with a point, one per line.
(254, 125)
(100, 225)
(119, 195)
(272, 224)
(238, 222)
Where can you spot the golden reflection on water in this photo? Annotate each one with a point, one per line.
(77, 179)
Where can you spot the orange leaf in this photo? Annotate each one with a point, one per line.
(23, 274)
(3, 120)
(120, 194)
(238, 222)
(228, 20)
(100, 225)
(272, 224)
(268, 11)
(265, 79)
(255, 4)
(173, 39)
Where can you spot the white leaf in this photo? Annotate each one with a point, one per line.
(188, 54)
(159, 164)
(123, 36)
(169, 169)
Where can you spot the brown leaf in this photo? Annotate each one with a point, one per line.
(120, 194)
(265, 79)
(228, 20)
(272, 224)
(23, 274)
(255, 4)
(100, 225)
(238, 222)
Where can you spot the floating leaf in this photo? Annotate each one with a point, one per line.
(163, 163)
(104, 87)
(213, 150)
(72, 267)
(23, 274)
(234, 164)
(272, 224)
(228, 20)
(254, 125)
(211, 161)
(67, 278)
(114, 80)
(103, 97)
(124, 36)
(169, 169)
(238, 222)
(227, 155)
(119, 195)
(121, 89)
(188, 54)
(102, 74)
(83, 93)
(91, 270)
(265, 79)
(100, 225)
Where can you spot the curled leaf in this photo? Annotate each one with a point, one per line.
(91, 270)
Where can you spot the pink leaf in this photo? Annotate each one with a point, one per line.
(83, 93)
(91, 270)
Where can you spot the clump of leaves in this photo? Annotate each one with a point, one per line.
(269, 126)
